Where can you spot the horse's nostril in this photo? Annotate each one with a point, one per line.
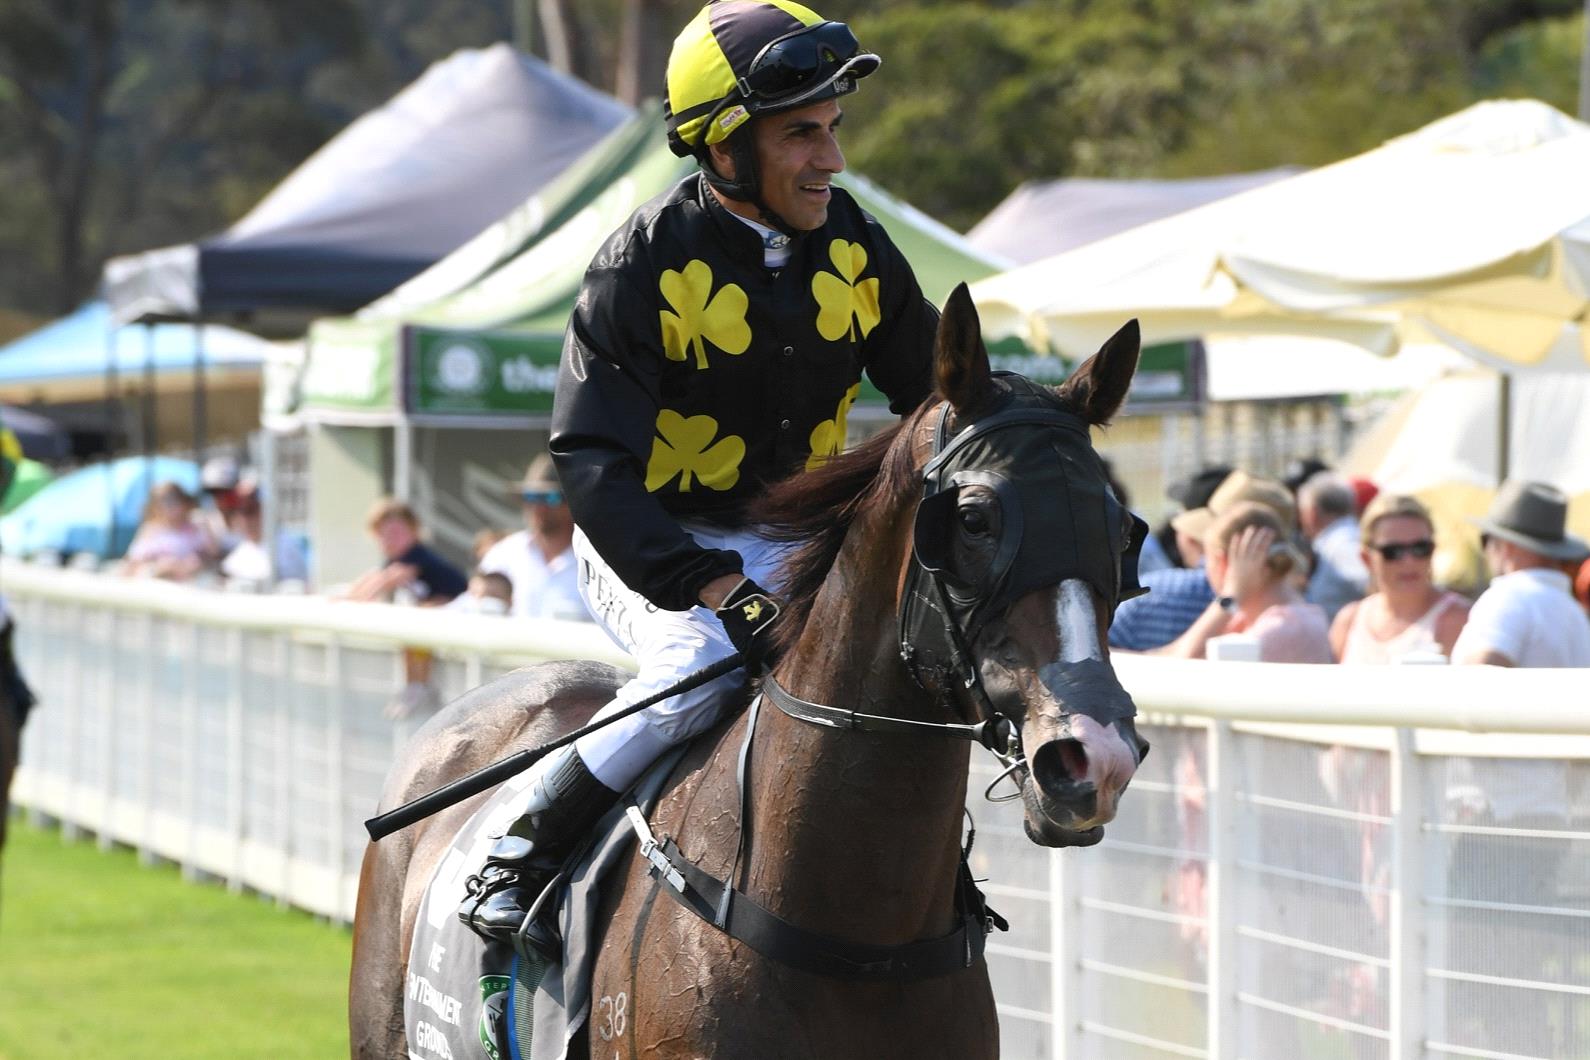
(1060, 764)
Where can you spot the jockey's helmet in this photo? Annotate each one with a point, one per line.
(739, 59)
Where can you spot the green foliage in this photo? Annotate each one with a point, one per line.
(129, 124)
(100, 956)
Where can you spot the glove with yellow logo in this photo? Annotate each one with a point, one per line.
(749, 614)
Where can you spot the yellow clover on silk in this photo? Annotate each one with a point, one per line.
(699, 316)
(840, 299)
(687, 448)
(828, 437)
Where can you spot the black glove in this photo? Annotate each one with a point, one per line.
(749, 615)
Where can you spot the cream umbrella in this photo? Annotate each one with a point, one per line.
(1473, 232)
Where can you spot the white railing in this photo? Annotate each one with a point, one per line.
(1312, 862)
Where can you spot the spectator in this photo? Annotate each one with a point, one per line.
(218, 481)
(1300, 470)
(1178, 596)
(169, 543)
(539, 560)
(489, 593)
(1189, 493)
(409, 568)
(1249, 559)
(1326, 515)
(1408, 614)
(1364, 491)
(249, 560)
(1581, 586)
(407, 564)
(1528, 616)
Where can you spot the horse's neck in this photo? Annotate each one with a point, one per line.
(856, 832)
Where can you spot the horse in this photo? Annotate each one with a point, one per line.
(850, 830)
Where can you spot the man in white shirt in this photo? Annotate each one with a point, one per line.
(1528, 616)
(539, 560)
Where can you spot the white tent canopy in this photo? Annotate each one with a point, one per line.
(1473, 232)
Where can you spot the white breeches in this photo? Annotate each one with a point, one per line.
(667, 646)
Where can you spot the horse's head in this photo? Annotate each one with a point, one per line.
(1020, 554)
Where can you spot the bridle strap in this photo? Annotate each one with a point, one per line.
(996, 732)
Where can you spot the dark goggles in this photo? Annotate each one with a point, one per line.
(805, 62)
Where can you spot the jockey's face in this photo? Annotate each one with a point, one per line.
(797, 154)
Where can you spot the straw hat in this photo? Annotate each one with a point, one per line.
(1534, 515)
(1239, 486)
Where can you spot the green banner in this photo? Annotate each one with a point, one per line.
(479, 374)
(351, 367)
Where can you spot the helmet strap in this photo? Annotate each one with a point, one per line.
(747, 185)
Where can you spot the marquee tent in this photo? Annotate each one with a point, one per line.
(1043, 218)
(1439, 443)
(1473, 231)
(488, 352)
(66, 360)
(398, 189)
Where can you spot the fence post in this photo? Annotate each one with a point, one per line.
(1220, 890)
(338, 689)
(1407, 924)
(1065, 955)
(146, 722)
(237, 761)
(74, 725)
(282, 803)
(109, 699)
(190, 751)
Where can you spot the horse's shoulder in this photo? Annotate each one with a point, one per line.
(700, 805)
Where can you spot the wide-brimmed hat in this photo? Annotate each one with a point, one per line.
(540, 476)
(1239, 486)
(1534, 515)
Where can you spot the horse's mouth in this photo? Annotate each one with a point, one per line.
(1048, 834)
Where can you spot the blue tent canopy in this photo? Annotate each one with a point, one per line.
(76, 347)
(94, 509)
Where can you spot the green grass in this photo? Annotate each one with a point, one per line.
(101, 956)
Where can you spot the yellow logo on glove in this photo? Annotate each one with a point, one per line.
(753, 610)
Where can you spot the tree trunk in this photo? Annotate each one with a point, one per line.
(76, 187)
(558, 28)
(642, 52)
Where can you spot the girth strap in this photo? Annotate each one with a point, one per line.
(777, 939)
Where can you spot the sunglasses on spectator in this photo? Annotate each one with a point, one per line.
(1417, 549)
(541, 496)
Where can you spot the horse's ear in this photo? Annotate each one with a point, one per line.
(960, 360)
(1097, 390)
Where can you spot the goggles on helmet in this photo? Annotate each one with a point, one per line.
(804, 63)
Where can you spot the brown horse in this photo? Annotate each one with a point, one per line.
(853, 835)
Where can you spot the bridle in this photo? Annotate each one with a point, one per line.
(941, 613)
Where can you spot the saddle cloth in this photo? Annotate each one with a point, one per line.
(465, 999)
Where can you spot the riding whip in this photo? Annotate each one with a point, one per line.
(383, 825)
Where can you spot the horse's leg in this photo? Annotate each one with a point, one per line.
(380, 954)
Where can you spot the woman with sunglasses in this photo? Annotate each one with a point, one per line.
(1408, 615)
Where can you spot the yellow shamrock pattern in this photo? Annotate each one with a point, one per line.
(700, 317)
(843, 303)
(828, 437)
(686, 448)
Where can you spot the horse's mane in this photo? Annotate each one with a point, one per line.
(814, 510)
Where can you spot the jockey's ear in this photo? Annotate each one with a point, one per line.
(960, 360)
(1097, 389)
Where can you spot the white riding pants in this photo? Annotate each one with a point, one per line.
(668, 646)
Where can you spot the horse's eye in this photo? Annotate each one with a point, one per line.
(974, 521)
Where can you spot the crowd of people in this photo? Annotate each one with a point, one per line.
(1320, 568)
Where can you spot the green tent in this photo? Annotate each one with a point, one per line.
(476, 339)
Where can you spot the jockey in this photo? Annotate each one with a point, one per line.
(716, 346)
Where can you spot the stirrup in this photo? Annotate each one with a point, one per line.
(538, 937)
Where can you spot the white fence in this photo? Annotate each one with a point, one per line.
(1312, 863)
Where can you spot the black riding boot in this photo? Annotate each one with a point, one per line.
(564, 803)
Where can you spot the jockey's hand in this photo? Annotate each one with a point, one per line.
(749, 615)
